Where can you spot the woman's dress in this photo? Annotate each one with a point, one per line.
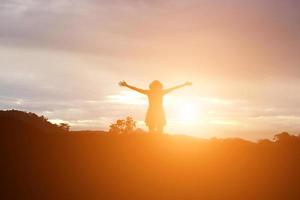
(155, 115)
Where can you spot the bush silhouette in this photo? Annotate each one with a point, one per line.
(64, 126)
(286, 138)
(123, 126)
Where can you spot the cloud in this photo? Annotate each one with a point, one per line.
(226, 39)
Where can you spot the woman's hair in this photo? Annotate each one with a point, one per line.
(156, 85)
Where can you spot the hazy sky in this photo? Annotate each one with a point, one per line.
(63, 59)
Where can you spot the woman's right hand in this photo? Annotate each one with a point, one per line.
(122, 83)
(188, 83)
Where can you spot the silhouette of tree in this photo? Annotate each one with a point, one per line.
(64, 126)
(286, 138)
(122, 126)
(281, 136)
(130, 125)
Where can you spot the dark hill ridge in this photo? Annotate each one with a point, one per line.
(14, 121)
(62, 165)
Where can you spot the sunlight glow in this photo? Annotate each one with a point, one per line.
(188, 113)
(185, 110)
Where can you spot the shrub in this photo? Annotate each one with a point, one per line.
(123, 126)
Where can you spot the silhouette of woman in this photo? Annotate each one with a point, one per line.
(155, 118)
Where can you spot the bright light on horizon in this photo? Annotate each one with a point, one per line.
(188, 112)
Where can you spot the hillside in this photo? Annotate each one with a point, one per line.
(19, 122)
(45, 162)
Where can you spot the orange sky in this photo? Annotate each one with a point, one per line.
(63, 59)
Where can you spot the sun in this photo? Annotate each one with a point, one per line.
(184, 110)
(188, 113)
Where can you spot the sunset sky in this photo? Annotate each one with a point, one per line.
(63, 59)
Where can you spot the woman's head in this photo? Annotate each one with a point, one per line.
(156, 85)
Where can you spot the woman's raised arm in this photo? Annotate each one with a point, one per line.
(177, 87)
(124, 84)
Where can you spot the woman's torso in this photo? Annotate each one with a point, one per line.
(155, 99)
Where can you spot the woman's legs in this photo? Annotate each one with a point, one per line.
(156, 128)
(151, 129)
(160, 129)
